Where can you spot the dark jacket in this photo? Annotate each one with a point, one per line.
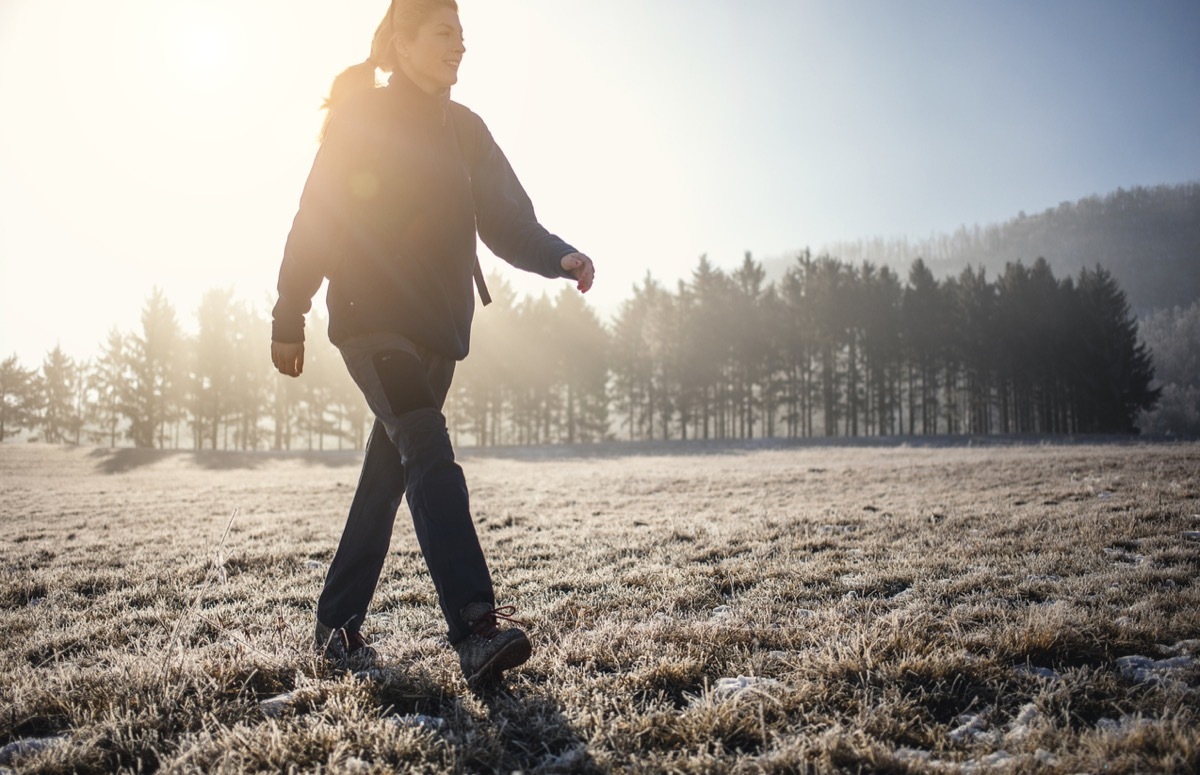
(389, 214)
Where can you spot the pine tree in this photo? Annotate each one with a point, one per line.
(924, 320)
(882, 297)
(322, 370)
(701, 348)
(632, 367)
(483, 382)
(579, 349)
(107, 382)
(211, 373)
(59, 420)
(799, 346)
(1118, 366)
(19, 397)
(750, 354)
(151, 398)
(252, 377)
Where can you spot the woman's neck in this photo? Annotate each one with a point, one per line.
(424, 84)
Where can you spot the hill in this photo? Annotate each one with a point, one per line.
(1149, 238)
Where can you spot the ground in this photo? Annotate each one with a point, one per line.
(694, 607)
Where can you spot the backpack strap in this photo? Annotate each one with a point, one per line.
(467, 150)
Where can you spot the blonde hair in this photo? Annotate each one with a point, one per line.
(402, 20)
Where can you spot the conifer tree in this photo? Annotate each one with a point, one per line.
(212, 372)
(106, 384)
(579, 348)
(632, 366)
(59, 420)
(19, 394)
(1119, 366)
(152, 392)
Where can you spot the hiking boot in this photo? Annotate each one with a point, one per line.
(344, 649)
(488, 651)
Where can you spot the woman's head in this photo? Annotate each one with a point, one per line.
(431, 56)
(421, 38)
(416, 27)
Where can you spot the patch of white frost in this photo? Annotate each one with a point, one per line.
(971, 727)
(990, 763)
(1044, 673)
(1120, 555)
(433, 723)
(572, 760)
(274, 707)
(1147, 670)
(731, 689)
(1122, 725)
(1026, 721)
(28, 746)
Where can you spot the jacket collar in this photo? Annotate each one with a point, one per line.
(409, 93)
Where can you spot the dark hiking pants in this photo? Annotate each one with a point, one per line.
(409, 450)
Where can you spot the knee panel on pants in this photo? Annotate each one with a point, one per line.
(423, 441)
(404, 382)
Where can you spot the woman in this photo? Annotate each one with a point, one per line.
(403, 180)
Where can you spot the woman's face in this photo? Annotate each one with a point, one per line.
(431, 60)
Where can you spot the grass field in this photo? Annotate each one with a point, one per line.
(695, 609)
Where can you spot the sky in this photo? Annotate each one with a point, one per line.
(164, 143)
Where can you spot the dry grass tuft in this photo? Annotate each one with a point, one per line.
(1007, 609)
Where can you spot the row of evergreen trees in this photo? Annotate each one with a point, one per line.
(831, 349)
(834, 349)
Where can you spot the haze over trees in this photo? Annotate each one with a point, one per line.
(821, 346)
(830, 350)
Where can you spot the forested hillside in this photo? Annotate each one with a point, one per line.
(1148, 238)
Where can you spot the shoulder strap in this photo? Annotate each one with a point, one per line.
(466, 148)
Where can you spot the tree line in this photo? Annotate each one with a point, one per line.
(830, 349)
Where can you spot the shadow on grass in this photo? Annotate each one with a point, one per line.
(528, 731)
(524, 728)
(121, 460)
(701, 447)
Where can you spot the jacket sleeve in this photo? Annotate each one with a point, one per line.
(308, 252)
(503, 212)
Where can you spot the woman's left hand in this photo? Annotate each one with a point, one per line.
(581, 268)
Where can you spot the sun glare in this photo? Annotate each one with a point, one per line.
(206, 51)
(208, 48)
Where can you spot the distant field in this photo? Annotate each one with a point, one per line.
(695, 609)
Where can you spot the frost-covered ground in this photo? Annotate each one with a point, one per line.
(695, 608)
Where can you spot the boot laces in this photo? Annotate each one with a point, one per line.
(486, 625)
(353, 640)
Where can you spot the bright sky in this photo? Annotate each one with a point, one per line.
(165, 142)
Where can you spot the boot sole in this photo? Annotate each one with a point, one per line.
(513, 655)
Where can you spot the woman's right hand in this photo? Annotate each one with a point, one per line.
(288, 357)
(581, 268)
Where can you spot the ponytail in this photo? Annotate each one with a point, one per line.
(402, 20)
(352, 80)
